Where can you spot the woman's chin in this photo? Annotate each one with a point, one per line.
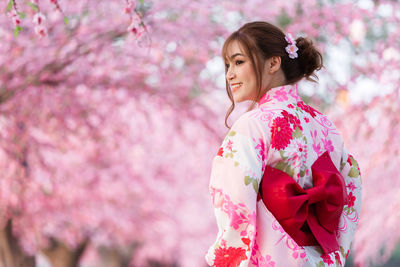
(238, 98)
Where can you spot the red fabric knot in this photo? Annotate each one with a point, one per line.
(310, 216)
(315, 194)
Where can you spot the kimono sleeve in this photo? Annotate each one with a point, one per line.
(235, 177)
(351, 173)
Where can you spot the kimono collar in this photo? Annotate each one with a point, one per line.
(286, 93)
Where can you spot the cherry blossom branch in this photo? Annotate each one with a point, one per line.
(136, 26)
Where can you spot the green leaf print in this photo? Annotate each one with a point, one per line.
(353, 173)
(320, 264)
(297, 133)
(282, 156)
(353, 162)
(255, 185)
(289, 171)
(236, 163)
(342, 164)
(281, 166)
(342, 251)
(229, 155)
(253, 181)
(348, 210)
(231, 133)
(302, 173)
(319, 250)
(285, 167)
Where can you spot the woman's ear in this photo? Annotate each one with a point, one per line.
(273, 64)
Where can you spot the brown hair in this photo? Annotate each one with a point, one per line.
(260, 41)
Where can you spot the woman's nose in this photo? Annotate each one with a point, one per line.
(230, 75)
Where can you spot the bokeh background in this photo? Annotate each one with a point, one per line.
(112, 111)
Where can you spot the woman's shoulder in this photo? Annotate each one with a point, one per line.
(250, 124)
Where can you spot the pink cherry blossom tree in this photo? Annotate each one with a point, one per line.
(372, 132)
(97, 170)
(82, 98)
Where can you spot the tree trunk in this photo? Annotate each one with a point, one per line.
(60, 255)
(11, 255)
(112, 257)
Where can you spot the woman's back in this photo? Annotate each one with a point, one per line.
(285, 134)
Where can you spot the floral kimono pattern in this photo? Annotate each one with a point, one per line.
(286, 134)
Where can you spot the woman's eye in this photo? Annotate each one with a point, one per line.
(238, 62)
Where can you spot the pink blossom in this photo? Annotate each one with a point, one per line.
(289, 38)
(299, 153)
(317, 148)
(131, 5)
(292, 50)
(41, 30)
(135, 27)
(351, 186)
(223, 242)
(218, 199)
(266, 261)
(350, 200)
(39, 18)
(235, 220)
(229, 145)
(16, 21)
(262, 151)
(281, 95)
(297, 254)
(337, 257)
(128, 10)
(252, 219)
(327, 259)
(265, 99)
(14, 17)
(328, 146)
(12, 13)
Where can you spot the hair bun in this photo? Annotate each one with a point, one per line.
(310, 58)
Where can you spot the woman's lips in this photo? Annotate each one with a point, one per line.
(235, 86)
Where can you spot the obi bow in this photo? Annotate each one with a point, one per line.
(310, 216)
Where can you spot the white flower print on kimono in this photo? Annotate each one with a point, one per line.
(285, 134)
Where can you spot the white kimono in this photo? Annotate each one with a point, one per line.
(286, 134)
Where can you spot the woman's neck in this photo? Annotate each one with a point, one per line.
(278, 79)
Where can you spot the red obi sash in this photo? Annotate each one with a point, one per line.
(310, 216)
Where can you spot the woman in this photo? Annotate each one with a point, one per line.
(285, 190)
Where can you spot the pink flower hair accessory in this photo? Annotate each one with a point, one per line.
(291, 48)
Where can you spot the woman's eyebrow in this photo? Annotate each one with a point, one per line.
(234, 55)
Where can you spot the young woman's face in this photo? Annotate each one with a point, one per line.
(240, 74)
